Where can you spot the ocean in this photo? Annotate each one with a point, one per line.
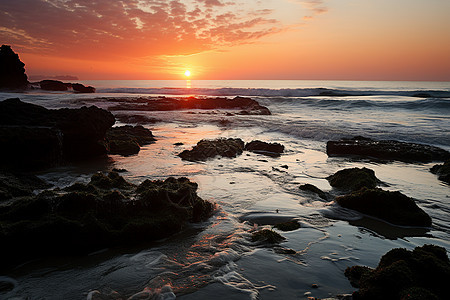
(216, 259)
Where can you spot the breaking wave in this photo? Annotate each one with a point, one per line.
(289, 92)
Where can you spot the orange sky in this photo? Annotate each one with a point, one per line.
(223, 39)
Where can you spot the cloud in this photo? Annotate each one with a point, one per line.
(317, 7)
(105, 29)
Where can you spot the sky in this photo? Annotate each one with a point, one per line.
(225, 39)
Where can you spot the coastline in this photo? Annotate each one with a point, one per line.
(237, 185)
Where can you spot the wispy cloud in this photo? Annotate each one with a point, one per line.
(317, 7)
(106, 29)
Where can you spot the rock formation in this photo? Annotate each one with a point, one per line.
(423, 273)
(108, 211)
(387, 150)
(353, 179)
(12, 70)
(211, 148)
(127, 140)
(246, 106)
(35, 137)
(443, 171)
(269, 149)
(393, 207)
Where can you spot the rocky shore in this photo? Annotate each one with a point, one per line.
(386, 150)
(401, 274)
(239, 105)
(106, 212)
(109, 211)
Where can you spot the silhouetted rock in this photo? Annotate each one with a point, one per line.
(108, 211)
(312, 188)
(12, 70)
(269, 149)
(54, 85)
(30, 148)
(35, 137)
(267, 236)
(136, 119)
(353, 179)
(443, 171)
(211, 148)
(423, 273)
(393, 207)
(246, 105)
(386, 149)
(18, 185)
(127, 140)
(80, 88)
(288, 226)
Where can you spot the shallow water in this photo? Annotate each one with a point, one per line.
(216, 259)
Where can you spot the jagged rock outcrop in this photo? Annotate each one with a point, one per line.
(80, 88)
(443, 171)
(401, 274)
(56, 85)
(35, 137)
(269, 149)
(127, 140)
(386, 150)
(353, 179)
(108, 211)
(205, 149)
(393, 207)
(19, 185)
(246, 106)
(12, 70)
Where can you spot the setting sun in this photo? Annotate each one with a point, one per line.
(187, 73)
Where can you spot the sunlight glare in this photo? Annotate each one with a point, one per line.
(187, 73)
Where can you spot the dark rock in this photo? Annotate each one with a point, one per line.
(387, 150)
(423, 273)
(248, 105)
(54, 85)
(282, 250)
(80, 88)
(269, 149)
(393, 207)
(211, 148)
(353, 179)
(267, 236)
(70, 134)
(356, 274)
(178, 144)
(288, 226)
(12, 70)
(6, 286)
(119, 170)
(30, 148)
(313, 189)
(443, 171)
(284, 167)
(136, 119)
(127, 140)
(17, 185)
(106, 212)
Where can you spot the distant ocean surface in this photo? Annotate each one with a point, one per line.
(216, 259)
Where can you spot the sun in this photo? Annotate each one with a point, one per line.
(187, 73)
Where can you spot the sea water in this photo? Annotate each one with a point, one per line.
(216, 259)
